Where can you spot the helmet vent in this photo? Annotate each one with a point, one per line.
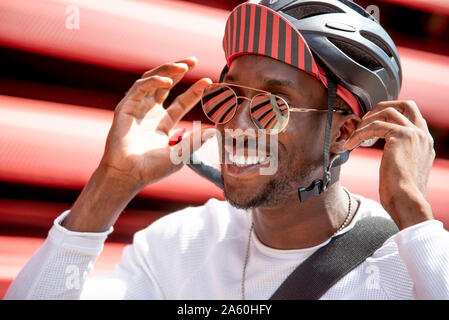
(356, 8)
(358, 55)
(303, 11)
(377, 42)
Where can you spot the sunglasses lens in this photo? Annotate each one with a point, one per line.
(269, 112)
(219, 103)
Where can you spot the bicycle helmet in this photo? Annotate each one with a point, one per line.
(344, 40)
(336, 41)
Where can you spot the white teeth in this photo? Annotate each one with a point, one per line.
(251, 160)
(241, 161)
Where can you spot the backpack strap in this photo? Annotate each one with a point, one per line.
(315, 276)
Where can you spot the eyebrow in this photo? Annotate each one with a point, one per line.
(266, 81)
(278, 83)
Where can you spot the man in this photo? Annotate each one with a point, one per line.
(245, 247)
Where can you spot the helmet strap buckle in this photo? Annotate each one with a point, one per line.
(319, 186)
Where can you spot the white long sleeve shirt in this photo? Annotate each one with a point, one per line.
(198, 253)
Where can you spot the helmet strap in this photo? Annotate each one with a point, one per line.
(320, 185)
(331, 97)
(223, 73)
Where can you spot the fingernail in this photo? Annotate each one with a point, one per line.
(193, 58)
(205, 82)
(176, 137)
(182, 65)
(167, 79)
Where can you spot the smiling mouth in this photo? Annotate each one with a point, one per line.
(241, 159)
(245, 163)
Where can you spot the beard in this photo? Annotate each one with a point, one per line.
(268, 195)
(272, 193)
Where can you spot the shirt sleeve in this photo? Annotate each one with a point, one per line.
(60, 269)
(424, 248)
(60, 266)
(132, 277)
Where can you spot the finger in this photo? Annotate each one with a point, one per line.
(147, 86)
(176, 137)
(377, 128)
(193, 141)
(182, 104)
(408, 108)
(387, 114)
(175, 71)
(191, 63)
(173, 68)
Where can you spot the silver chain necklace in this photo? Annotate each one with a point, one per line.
(345, 223)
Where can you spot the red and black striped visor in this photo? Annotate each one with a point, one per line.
(255, 29)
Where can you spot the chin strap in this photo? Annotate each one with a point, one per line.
(317, 186)
(320, 185)
(209, 172)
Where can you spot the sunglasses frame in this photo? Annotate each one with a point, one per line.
(289, 108)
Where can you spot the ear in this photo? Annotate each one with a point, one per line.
(342, 129)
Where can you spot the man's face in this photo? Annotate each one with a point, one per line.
(300, 145)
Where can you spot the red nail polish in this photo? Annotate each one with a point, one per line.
(176, 137)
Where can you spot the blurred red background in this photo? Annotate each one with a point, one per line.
(66, 64)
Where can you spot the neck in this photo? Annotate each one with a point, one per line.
(295, 225)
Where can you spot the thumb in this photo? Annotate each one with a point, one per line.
(190, 142)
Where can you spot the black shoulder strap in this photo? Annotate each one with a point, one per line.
(315, 276)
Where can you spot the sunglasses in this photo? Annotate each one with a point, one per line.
(268, 111)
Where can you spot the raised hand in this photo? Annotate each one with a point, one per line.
(406, 162)
(137, 144)
(137, 151)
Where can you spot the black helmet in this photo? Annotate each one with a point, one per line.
(349, 43)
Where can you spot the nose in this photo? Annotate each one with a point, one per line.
(241, 119)
(240, 132)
